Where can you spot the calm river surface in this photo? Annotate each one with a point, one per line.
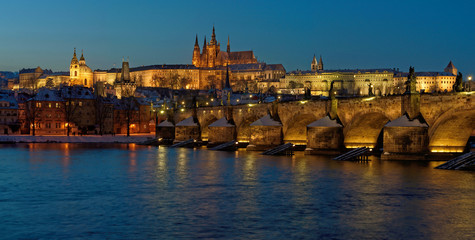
(58, 191)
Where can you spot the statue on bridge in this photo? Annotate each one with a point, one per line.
(411, 81)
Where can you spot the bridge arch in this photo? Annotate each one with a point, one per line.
(244, 128)
(295, 130)
(365, 130)
(204, 123)
(451, 131)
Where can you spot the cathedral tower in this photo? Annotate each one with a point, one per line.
(320, 64)
(196, 53)
(314, 64)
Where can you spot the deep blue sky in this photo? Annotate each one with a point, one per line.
(349, 34)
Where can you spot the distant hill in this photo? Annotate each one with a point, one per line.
(4, 75)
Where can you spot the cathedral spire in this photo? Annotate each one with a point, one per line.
(74, 60)
(213, 38)
(82, 55)
(228, 49)
(196, 40)
(204, 44)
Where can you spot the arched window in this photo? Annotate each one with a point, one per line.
(85, 82)
(75, 73)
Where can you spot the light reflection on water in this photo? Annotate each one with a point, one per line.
(129, 191)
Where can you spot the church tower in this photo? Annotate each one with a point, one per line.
(320, 64)
(228, 49)
(74, 68)
(314, 64)
(451, 69)
(196, 53)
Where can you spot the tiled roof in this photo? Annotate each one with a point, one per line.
(5, 97)
(77, 92)
(425, 74)
(46, 94)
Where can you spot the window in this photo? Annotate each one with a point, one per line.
(57, 105)
(49, 105)
(75, 73)
(85, 81)
(80, 104)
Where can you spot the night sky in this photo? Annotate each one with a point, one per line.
(348, 34)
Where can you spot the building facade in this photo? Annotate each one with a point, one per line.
(364, 82)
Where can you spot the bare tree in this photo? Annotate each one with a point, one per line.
(173, 80)
(31, 108)
(69, 108)
(31, 113)
(103, 111)
(156, 80)
(183, 81)
(129, 106)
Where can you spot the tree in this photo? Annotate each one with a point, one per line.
(252, 86)
(239, 85)
(156, 80)
(172, 80)
(138, 79)
(103, 111)
(31, 105)
(183, 81)
(31, 113)
(212, 82)
(293, 85)
(69, 108)
(458, 86)
(129, 107)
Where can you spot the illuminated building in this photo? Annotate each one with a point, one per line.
(8, 114)
(212, 56)
(79, 72)
(364, 81)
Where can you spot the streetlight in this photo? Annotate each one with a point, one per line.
(469, 79)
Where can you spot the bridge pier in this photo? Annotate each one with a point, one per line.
(166, 131)
(405, 139)
(221, 131)
(187, 129)
(324, 136)
(266, 133)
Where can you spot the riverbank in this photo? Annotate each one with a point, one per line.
(133, 138)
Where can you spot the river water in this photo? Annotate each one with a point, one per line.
(58, 191)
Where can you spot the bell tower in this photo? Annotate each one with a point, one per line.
(74, 68)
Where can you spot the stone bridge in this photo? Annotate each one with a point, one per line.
(450, 118)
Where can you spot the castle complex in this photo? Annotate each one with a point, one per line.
(208, 71)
